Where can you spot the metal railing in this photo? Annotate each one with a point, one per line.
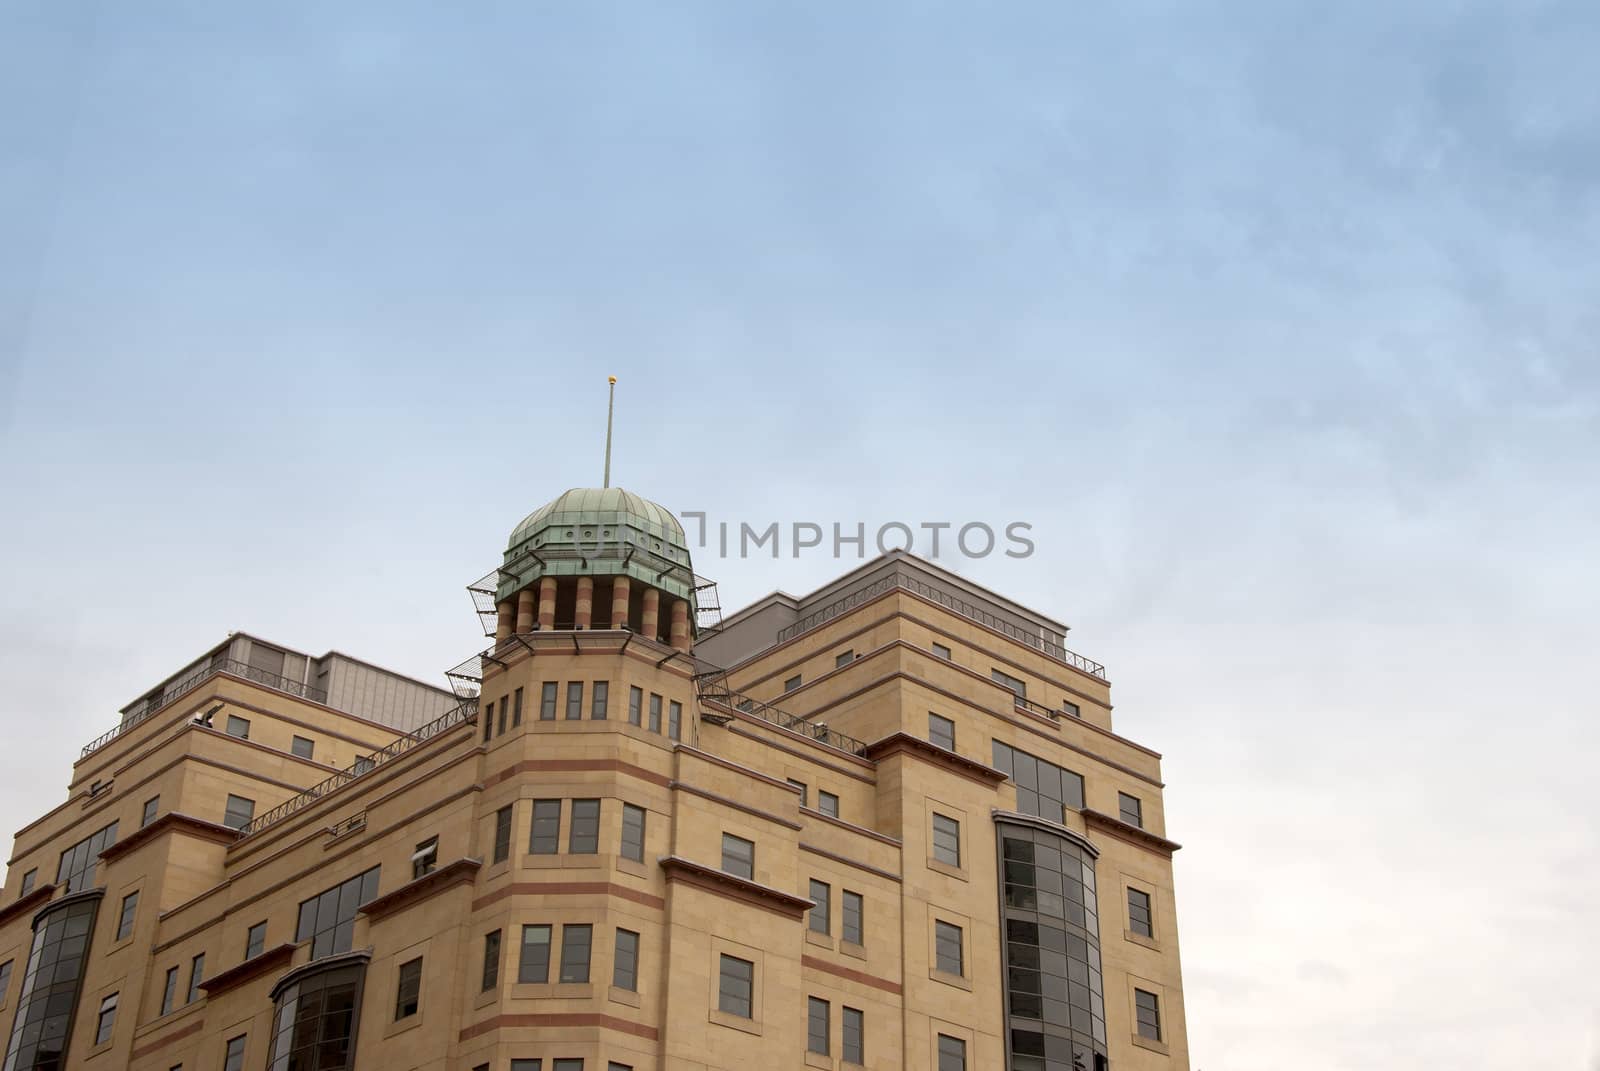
(960, 606)
(197, 676)
(714, 687)
(467, 711)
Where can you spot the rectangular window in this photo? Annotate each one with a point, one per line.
(635, 705)
(567, 1065)
(817, 1026)
(239, 727)
(821, 893)
(735, 984)
(948, 955)
(599, 697)
(303, 746)
(107, 1019)
(518, 1065)
(828, 803)
(792, 683)
(425, 858)
(534, 963)
(197, 975)
(633, 832)
(130, 909)
(855, 1039)
(1016, 684)
(574, 700)
(76, 869)
(5, 980)
(1132, 809)
(941, 651)
(233, 1057)
(738, 856)
(500, 726)
(502, 834)
(491, 960)
(805, 798)
(675, 720)
(547, 701)
(1043, 788)
(1069, 708)
(408, 992)
(28, 880)
(946, 840)
(255, 939)
(575, 940)
(239, 812)
(851, 911)
(1139, 913)
(843, 659)
(169, 991)
(1148, 1009)
(655, 713)
(516, 708)
(152, 807)
(328, 920)
(941, 732)
(625, 963)
(488, 723)
(612, 1065)
(583, 838)
(952, 1053)
(546, 827)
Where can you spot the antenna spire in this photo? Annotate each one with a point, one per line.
(611, 404)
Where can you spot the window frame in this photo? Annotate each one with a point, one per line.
(127, 916)
(828, 802)
(588, 831)
(1137, 810)
(255, 940)
(503, 820)
(852, 903)
(105, 1021)
(527, 974)
(549, 694)
(231, 814)
(944, 934)
(404, 1009)
(940, 849)
(548, 843)
(626, 846)
(569, 931)
(625, 979)
(599, 700)
(748, 982)
(236, 720)
(1140, 1025)
(308, 752)
(574, 701)
(819, 918)
(819, 1015)
(848, 1053)
(491, 961)
(1147, 908)
(940, 726)
(747, 866)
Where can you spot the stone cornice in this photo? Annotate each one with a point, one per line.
(461, 872)
(1131, 833)
(906, 744)
(254, 967)
(731, 887)
(359, 957)
(175, 823)
(24, 904)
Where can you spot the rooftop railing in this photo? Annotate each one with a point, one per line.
(466, 711)
(716, 689)
(968, 610)
(188, 682)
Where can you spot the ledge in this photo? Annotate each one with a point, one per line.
(259, 964)
(358, 958)
(67, 901)
(906, 744)
(734, 888)
(173, 822)
(23, 904)
(1129, 832)
(460, 872)
(1017, 818)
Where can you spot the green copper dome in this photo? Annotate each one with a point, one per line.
(603, 506)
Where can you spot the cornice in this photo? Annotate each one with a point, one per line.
(461, 872)
(731, 887)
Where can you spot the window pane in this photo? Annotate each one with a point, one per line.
(738, 856)
(1132, 809)
(584, 836)
(635, 705)
(546, 827)
(534, 964)
(502, 834)
(675, 720)
(952, 1053)
(828, 803)
(575, 953)
(655, 713)
(854, 1036)
(633, 832)
(491, 959)
(817, 1026)
(820, 894)
(948, 955)
(574, 700)
(946, 840)
(409, 990)
(851, 910)
(598, 700)
(941, 732)
(735, 985)
(625, 963)
(547, 701)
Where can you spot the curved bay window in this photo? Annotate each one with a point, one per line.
(49, 993)
(318, 1005)
(1055, 998)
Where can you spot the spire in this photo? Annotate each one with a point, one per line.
(611, 404)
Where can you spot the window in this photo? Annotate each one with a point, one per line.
(952, 1053)
(5, 980)
(130, 908)
(625, 963)
(152, 807)
(303, 746)
(792, 683)
(612, 1065)
(1132, 809)
(533, 965)
(946, 840)
(491, 960)
(518, 1065)
(546, 838)
(851, 910)
(575, 940)
(828, 803)
(567, 1065)
(805, 797)
(655, 713)
(854, 1036)
(255, 939)
(197, 975)
(328, 920)
(941, 732)
(27, 881)
(239, 812)
(1070, 708)
(47, 994)
(516, 708)
(488, 723)
(817, 1026)
(735, 984)
(501, 725)
(635, 705)
(169, 991)
(502, 834)
(76, 869)
(107, 1019)
(941, 651)
(1139, 913)
(574, 700)
(1016, 684)
(547, 701)
(314, 1023)
(633, 832)
(233, 1059)
(599, 697)
(843, 659)
(1148, 1010)
(238, 726)
(675, 720)
(425, 858)
(820, 894)
(738, 856)
(98, 787)
(1043, 788)
(948, 955)
(408, 992)
(583, 837)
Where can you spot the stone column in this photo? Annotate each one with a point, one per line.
(547, 603)
(650, 619)
(619, 602)
(680, 624)
(585, 607)
(502, 626)
(525, 610)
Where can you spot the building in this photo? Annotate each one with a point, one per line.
(884, 825)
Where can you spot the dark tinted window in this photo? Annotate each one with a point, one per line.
(76, 870)
(303, 746)
(946, 840)
(574, 700)
(734, 986)
(625, 963)
(502, 834)
(233, 1057)
(238, 812)
(851, 915)
(491, 959)
(820, 895)
(328, 920)
(854, 1036)
(1132, 809)
(738, 856)
(546, 839)
(952, 1053)
(941, 732)
(534, 963)
(49, 990)
(575, 942)
(817, 1026)
(315, 1021)
(408, 990)
(130, 910)
(1043, 788)
(255, 939)
(633, 832)
(152, 807)
(599, 700)
(584, 836)
(1139, 913)
(949, 956)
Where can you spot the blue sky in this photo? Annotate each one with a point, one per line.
(1277, 322)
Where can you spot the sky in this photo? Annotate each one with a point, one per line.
(1276, 322)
